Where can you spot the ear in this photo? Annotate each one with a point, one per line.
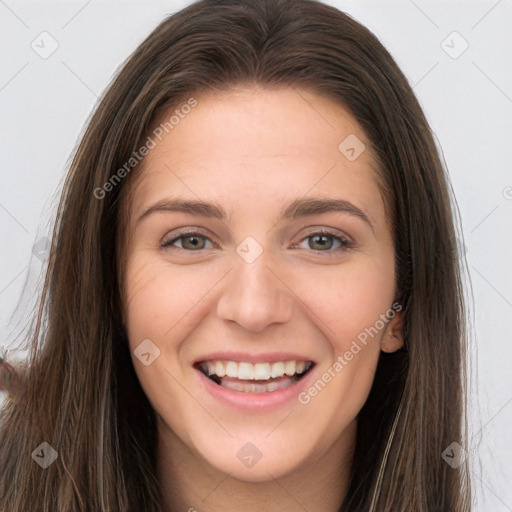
(392, 337)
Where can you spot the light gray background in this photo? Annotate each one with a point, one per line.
(45, 102)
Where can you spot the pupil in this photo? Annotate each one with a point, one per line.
(194, 241)
(317, 237)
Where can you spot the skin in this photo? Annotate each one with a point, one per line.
(253, 151)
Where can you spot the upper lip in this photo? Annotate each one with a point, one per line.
(246, 357)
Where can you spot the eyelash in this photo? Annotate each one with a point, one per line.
(345, 244)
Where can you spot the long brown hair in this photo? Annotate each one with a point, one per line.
(79, 392)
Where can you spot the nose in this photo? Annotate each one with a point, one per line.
(254, 296)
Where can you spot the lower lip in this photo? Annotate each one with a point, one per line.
(255, 401)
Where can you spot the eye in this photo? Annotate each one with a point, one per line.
(324, 241)
(319, 241)
(190, 241)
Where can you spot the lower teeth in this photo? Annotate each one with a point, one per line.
(253, 387)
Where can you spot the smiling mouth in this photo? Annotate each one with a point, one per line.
(254, 378)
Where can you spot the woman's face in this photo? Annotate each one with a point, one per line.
(259, 252)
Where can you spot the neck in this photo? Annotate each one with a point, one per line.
(190, 484)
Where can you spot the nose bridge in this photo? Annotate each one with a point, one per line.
(253, 296)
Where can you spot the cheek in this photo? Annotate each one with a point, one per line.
(350, 303)
(159, 304)
(144, 292)
(349, 300)
(159, 298)
(341, 300)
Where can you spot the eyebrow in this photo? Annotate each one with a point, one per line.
(301, 207)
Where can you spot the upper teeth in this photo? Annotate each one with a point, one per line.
(258, 371)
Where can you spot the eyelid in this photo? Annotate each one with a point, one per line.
(336, 233)
(346, 243)
(168, 241)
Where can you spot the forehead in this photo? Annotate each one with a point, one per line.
(243, 145)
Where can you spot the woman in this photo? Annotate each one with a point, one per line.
(253, 298)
